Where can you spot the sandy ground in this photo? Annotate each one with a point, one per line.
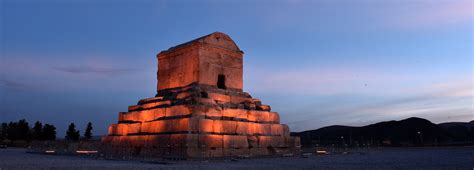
(382, 158)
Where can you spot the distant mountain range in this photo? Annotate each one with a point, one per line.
(408, 132)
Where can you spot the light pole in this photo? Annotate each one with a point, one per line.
(421, 137)
(343, 143)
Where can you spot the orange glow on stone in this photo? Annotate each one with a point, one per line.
(192, 116)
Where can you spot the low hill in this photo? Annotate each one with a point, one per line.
(408, 132)
(460, 131)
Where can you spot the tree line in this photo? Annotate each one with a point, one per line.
(21, 130)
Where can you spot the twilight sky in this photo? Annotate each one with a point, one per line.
(317, 63)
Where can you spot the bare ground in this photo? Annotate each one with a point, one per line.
(381, 158)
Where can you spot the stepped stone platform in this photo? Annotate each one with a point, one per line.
(200, 110)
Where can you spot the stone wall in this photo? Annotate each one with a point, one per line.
(201, 61)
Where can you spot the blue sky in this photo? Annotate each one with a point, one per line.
(317, 63)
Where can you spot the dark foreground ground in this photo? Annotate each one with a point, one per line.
(382, 158)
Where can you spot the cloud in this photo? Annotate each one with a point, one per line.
(12, 84)
(93, 69)
(438, 102)
(28, 64)
(18, 86)
(329, 80)
(434, 109)
(457, 88)
(429, 14)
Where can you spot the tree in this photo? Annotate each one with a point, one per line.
(49, 132)
(18, 130)
(37, 131)
(88, 132)
(24, 130)
(3, 133)
(72, 133)
(12, 129)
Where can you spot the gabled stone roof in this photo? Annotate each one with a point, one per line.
(216, 39)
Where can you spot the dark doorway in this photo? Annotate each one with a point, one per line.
(221, 81)
(204, 95)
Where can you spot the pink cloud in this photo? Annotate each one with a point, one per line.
(430, 14)
(31, 72)
(393, 95)
(325, 80)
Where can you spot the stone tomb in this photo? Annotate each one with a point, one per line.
(200, 110)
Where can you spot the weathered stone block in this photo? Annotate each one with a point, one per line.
(133, 108)
(242, 128)
(192, 140)
(278, 141)
(207, 111)
(177, 70)
(258, 128)
(210, 141)
(178, 125)
(155, 104)
(135, 141)
(153, 127)
(239, 114)
(277, 129)
(292, 141)
(264, 141)
(229, 127)
(237, 99)
(183, 95)
(235, 141)
(258, 116)
(206, 126)
(217, 126)
(178, 110)
(158, 113)
(124, 128)
(145, 115)
(194, 124)
(257, 102)
(264, 107)
(148, 115)
(252, 141)
(205, 101)
(158, 141)
(252, 128)
(196, 152)
(219, 97)
(214, 152)
(150, 99)
(121, 116)
(178, 140)
(274, 117)
(130, 116)
(105, 140)
(267, 129)
(116, 141)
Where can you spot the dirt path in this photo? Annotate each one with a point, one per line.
(386, 158)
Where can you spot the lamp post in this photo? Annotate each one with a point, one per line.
(421, 137)
(343, 142)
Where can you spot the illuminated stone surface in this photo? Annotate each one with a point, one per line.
(199, 110)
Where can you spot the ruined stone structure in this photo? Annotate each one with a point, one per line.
(200, 110)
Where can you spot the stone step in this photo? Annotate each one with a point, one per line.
(198, 125)
(210, 112)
